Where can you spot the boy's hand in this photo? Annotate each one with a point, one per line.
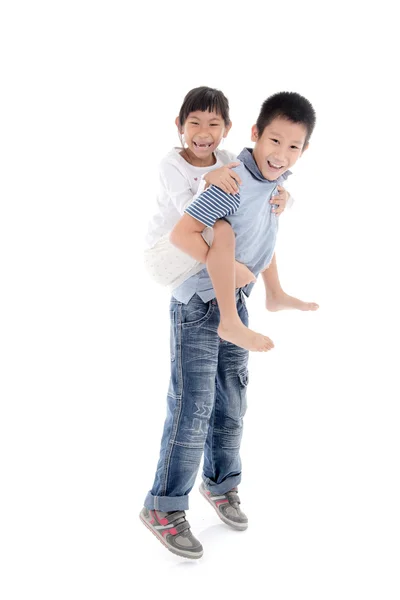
(224, 178)
(281, 200)
(243, 275)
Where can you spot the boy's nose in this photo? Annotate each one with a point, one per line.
(279, 157)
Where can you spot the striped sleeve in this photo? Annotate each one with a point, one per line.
(213, 204)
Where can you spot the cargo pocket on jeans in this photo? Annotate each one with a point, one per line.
(243, 381)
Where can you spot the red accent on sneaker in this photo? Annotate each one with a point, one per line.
(218, 502)
(163, 521)
(172, 531)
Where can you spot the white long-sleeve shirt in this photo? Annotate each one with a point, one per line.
(180, 183)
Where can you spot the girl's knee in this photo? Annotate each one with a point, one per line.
(223, 232)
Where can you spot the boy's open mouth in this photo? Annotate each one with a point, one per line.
(274, 166)
(202, 145)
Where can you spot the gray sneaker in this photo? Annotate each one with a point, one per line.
(172, 529)
(227, 507)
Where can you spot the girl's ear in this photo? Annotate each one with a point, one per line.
(180, 129)
(227, 129)
(254, 133)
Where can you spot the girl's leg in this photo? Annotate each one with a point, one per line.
(276, 298)
(221, 268)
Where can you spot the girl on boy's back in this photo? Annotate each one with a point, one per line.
(209, 348)
(202, 123)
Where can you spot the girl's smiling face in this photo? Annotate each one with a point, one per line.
(203, 132)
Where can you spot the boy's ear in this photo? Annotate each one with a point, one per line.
(254, 133)
(227, 129)
(180, 129)
(305, 148)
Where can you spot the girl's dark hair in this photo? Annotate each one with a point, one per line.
(290, 106)
(204, 99)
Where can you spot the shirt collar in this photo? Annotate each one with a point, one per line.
(246, 156)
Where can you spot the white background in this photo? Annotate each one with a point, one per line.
(89, 96)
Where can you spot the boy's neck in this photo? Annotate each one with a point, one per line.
(255, 160)
(256, 163)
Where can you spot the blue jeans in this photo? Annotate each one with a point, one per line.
(206, 405)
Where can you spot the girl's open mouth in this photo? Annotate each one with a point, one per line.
(202, 145)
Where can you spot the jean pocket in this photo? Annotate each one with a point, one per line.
(197, 312)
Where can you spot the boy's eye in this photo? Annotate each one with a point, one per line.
(275, 141)
(193, 123)
(294, 147)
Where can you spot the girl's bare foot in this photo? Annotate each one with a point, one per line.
(246, 338)
(284, 301)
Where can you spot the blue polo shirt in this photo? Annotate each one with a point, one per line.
(250, 215)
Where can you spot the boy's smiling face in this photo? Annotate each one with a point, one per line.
(279, 147)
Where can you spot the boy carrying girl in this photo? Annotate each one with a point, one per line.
(209, 375)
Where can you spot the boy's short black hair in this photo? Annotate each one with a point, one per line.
(204, 99)
(290, 106)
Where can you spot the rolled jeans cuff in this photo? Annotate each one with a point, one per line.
(166, 503)
(222, 488)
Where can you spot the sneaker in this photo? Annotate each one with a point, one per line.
(227, 507)
(172, 529)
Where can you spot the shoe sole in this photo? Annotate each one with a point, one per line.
(181, 553)
(237, 526)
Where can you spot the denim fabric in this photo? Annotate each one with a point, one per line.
(206, 405)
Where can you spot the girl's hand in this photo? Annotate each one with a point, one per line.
(281, 200)
(224, 178)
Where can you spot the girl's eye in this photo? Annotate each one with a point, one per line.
(275, 141)
(295, 148)
(214, 125)
(193, 123)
